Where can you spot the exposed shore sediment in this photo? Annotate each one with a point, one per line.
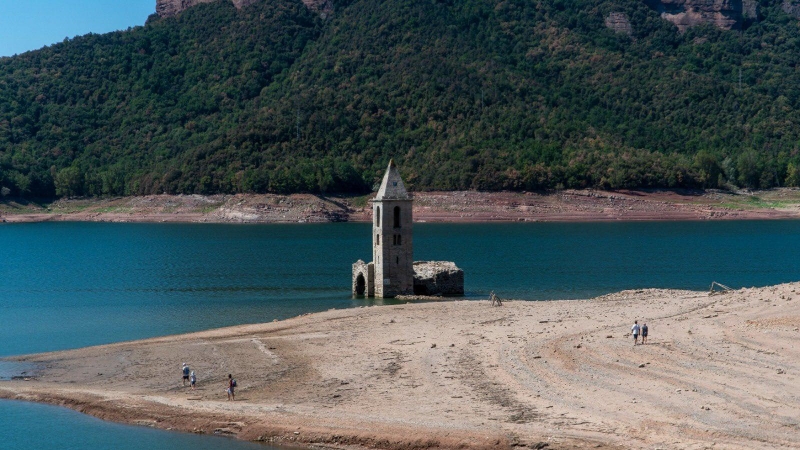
(464, 206)
(718, 371)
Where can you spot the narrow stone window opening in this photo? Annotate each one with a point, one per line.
(397, 217)
(397, 260)
(378, 216)
(378, 239)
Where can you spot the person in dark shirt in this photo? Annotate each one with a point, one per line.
(231, 388)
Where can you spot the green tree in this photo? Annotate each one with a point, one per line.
(69, 182)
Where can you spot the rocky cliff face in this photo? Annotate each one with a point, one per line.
(619, 22)
(725, 14)
(791, 7)
(169, 8)
(750, 9)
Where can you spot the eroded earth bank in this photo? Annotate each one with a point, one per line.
(464, 206)
(718, 371)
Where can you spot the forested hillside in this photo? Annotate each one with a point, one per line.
(468, 94)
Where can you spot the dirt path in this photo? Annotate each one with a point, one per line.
(719, 371)
(467, 206)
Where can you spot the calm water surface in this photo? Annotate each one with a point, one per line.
(29, 426)
(68, 285)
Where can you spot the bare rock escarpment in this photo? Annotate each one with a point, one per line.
(619, 23)
(750, 9)
(724, 14)
(169, 8)
(791, 7)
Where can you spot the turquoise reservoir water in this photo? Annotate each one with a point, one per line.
(68, 285)
(28, 426)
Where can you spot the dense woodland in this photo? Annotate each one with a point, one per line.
(467, 94)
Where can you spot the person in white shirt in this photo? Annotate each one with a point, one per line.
(635, 332)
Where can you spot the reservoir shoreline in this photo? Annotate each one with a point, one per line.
(452, 207)
(718, 370)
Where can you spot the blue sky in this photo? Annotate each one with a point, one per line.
(31, 24)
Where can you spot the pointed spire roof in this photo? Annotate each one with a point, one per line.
(392, 187)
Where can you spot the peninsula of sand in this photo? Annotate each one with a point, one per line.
(718, 371)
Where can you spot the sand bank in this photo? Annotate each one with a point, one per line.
(719, 371)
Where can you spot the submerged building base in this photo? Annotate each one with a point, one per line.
(438, 278)
(430, 278)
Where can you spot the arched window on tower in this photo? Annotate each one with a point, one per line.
(397, 217)
(378, 216)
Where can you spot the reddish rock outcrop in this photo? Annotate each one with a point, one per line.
(169, 8)
(725, 14)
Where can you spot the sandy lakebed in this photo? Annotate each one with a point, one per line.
(719, 371)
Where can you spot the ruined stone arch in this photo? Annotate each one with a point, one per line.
(363, 279)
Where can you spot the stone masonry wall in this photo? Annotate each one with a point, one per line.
(438, 278)
(366, 270)
(394, 273)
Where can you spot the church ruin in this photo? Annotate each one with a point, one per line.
(393, 270)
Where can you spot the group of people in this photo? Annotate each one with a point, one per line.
(188, 375)
(636, 330)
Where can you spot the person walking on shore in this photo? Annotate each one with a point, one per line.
(644, 333)
(185, 372)
(635, 332)
(231, 388)
(192, 380)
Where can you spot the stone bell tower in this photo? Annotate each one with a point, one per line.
(393, 270)
(392, 238)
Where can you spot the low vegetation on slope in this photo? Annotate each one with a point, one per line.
(469, 94)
